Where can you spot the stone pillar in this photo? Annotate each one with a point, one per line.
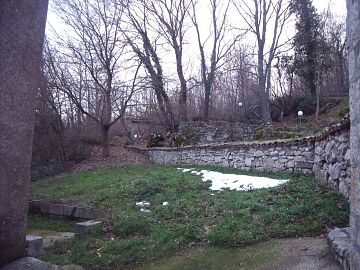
(353, 35)
(22, 27)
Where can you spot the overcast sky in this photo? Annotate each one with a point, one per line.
(337, 7)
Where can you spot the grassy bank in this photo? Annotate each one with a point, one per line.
(193, 216)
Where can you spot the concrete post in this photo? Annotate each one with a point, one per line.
(22, 27)
(353, 35)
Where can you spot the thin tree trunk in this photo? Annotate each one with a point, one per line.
(317, 98)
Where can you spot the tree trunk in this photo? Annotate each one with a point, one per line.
(264, 99)
(318, 81)
(105, 141)
(183, 87)
(106, 123)
(22, 27)
(207, 89)
(317, 112)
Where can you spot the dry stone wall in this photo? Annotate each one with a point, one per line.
(280, 156)
(326, 155)
(332, 161)
(217, 131)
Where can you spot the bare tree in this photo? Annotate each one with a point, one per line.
(88, 66)
(139, 39)
(259, 15)
(170, 16)
(220, 45)
(235, 87)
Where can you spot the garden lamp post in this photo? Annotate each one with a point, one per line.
(300, 115)
(240, 106)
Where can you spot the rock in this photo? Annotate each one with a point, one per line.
(344, 138)
(300, 159)
(291, 164)
(304, 165)
(335, 171)
(34, 245)
(258, 153)
(340, 244)
(344, 189)
(86, 226)
(248, 162)
(29, 263)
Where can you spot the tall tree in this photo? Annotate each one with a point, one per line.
(88, 67)
(259, 15)
(306, 42)
(22, 27)
(140, 40)
(220, 45)
(170, 16)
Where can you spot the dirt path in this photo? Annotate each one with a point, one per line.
(304, 254)
(279, 254)
(119, 156)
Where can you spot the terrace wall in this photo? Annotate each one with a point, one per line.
(326, 155)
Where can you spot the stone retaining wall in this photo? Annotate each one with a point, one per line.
(332, 161)
(217, 131)
(58, 210)
(282, 156)
(325, 155)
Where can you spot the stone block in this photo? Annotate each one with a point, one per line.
(308, 155)
(291, 164)
(44, 207)
(248, 162)
(344, 188)
(319, 150)
(340, 244)
(258, 153)
(342, 149)
(86, 213)
(82, 228)
(300, 159)
(304, 165)
(335, 171)
(71, 211)
(34, 245)
(56, 209)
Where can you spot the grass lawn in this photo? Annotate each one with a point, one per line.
(193, 217)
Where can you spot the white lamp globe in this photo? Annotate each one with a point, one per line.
(300, 113)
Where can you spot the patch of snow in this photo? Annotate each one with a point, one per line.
(144, 210)
(165, 203)
(219, 181)
(185, 170)
(143, 204)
